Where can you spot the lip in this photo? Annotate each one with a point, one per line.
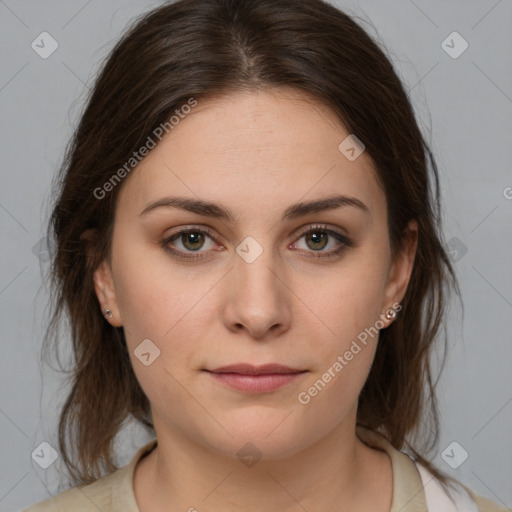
(249, 369)
(256, 379)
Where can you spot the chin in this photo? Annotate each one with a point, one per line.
(270, 433)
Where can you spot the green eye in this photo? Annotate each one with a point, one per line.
(320, 240)
(192, 240)
(317, 238)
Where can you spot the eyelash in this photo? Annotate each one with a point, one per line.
(345, 242)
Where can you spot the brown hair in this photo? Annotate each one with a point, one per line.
(201, 49)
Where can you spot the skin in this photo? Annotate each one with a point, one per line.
(255, 153)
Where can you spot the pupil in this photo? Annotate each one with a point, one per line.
(317, 238)
(195, 237)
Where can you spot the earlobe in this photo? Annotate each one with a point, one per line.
(106, 293)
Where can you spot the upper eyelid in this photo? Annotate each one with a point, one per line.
(319, 226)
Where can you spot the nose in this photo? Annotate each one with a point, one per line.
(258, 298)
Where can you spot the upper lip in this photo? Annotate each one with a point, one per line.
(249, 369)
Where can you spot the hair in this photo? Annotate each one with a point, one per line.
(203, 49)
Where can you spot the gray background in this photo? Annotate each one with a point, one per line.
(466, 102)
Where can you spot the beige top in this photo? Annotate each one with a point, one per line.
(114, 492)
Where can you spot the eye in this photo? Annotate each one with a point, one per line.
(189, 240)
(319, 237)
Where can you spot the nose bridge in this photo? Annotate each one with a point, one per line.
(255, 269)
(258, 298)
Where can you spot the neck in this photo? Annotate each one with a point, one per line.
(337, 472)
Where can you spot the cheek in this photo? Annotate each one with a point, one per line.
(165, 304)
(349, 307)
(350, 300)
(160, 305)
(152, 301)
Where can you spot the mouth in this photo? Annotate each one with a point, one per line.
(255, 379)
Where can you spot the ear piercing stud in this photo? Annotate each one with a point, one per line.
(391, 314)
(108, 313)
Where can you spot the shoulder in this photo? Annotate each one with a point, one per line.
(111, 493)
(456, 497)
(416, 489)
(84, 498)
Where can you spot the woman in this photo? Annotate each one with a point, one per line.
(249, 249)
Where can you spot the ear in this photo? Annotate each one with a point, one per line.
(106, 293)
(401, 268)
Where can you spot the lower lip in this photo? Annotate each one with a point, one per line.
(256, 383)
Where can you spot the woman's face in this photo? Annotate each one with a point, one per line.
(251, 286)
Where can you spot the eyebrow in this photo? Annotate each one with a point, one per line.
(217, 211)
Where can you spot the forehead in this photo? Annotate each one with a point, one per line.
(253, 150)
